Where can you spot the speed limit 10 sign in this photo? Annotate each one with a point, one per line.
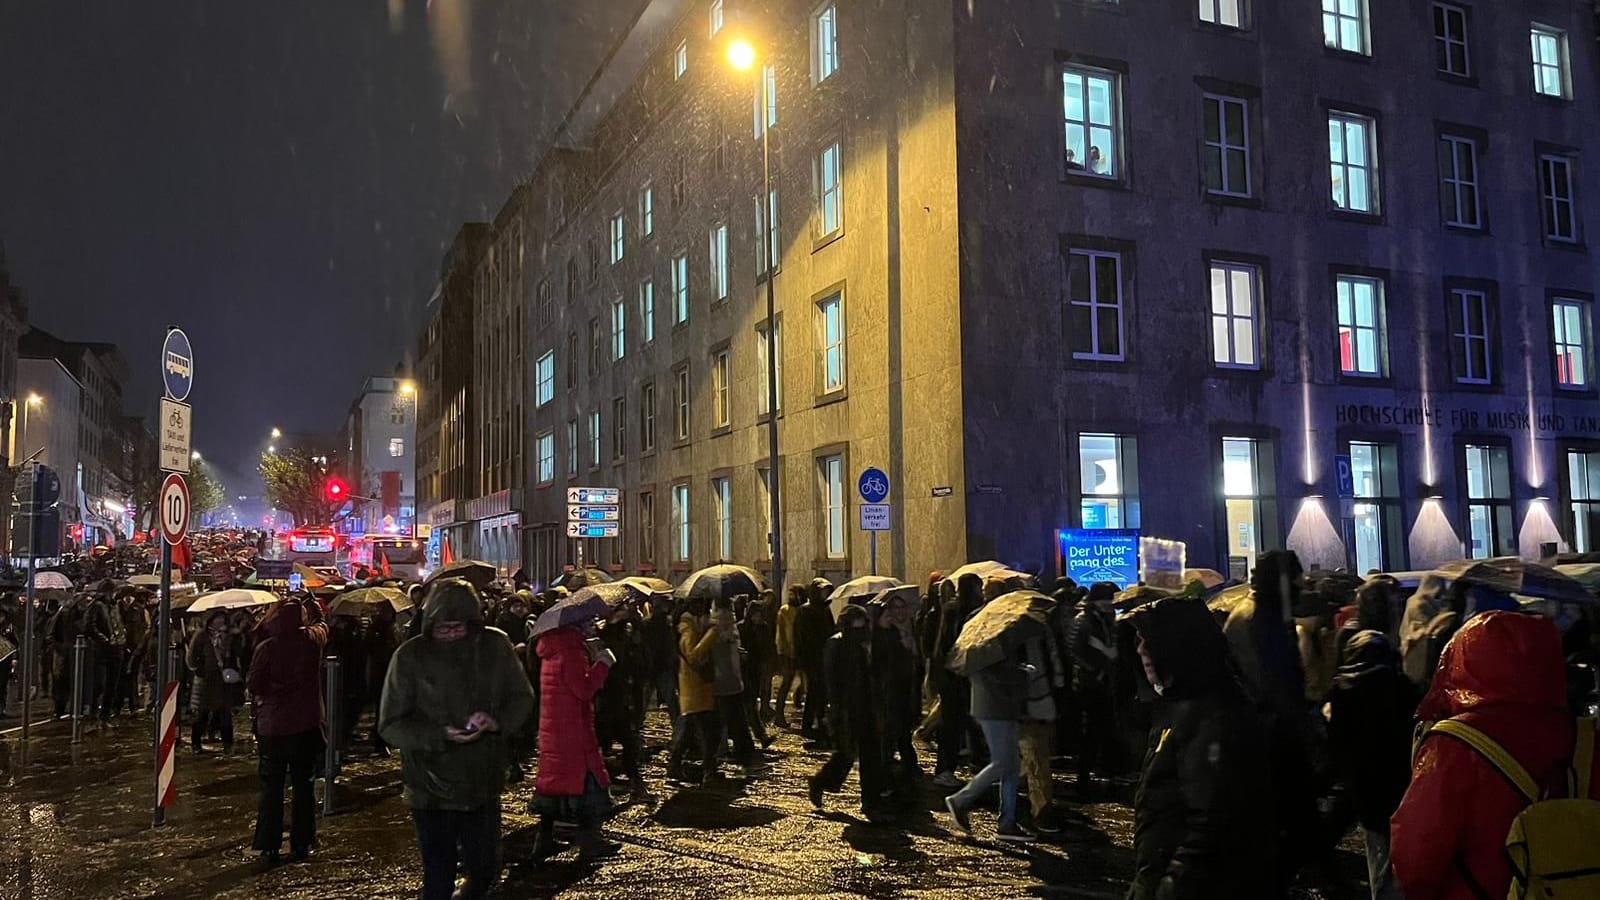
(172, 508)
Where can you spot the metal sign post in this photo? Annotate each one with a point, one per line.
(30, 666)
(172, 519)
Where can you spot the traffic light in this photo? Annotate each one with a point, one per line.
(335, 490)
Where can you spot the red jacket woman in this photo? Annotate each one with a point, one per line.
(568, 683)
(1503, 674)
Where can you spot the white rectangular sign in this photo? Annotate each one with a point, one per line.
(874, 516)
(593, 529)
(175, 436)
(593, 495)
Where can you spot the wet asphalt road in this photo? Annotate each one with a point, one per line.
(75, 822)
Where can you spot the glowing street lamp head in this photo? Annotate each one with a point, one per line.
(407, 387)
(276, 434)
(35, 399)
(195, 456)
(272, 448)
(741, 55)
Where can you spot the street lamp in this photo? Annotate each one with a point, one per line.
(272, 448)
(20, 439)
(195, 455)
(743, 57)
(276, 434)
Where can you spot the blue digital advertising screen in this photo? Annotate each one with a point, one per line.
(1089, 555)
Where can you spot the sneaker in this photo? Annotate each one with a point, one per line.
(1046, 824)
(947, 780)
(1015, 834)
(962, 820)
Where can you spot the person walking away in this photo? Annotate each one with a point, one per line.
(896, 692)
(1370, 707)
(660, 641)
(696, 702)
(1502, 677)
(1046, 674)
(957, 602)
(108, 641)
(1202, 822)
(214, 656)
(1374, 612)
(348, 642)
(285, 680)
(728, 688)
(788, 660)
(136, 624)
(452, 695)
(1094, 660)
(621, 698)
(758, 637)
(571, 782)
(62, 633)
(999, 700)
(381, 636)
(1261, 635)
(812, 627)
(853, 721)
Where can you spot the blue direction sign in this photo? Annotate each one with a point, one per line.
(593, 529)
(600, 513)
(594, 495)
(873, 485)
(177, 365)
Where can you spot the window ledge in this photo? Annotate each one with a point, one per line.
(1356, 379)
(1243, 202)
(828, 399)
(1240, 32)
(817, 243)
(1239, 373)
(1350, 215)
(1470, 81)
(1566, 246)
(1475, 387)
(722, 431)
(1562, 390)
(1079, 178)
(831, 564)
(680, 444)
(1466, 230)
(761, 418)
(1350, 55)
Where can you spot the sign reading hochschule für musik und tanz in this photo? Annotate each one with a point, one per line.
(1461, 418)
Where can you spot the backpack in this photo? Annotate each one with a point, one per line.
(1551, 845)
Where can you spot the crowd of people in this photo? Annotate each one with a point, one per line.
(1261, 732)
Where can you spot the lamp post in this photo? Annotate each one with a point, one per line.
(20, 440)
(742, 56)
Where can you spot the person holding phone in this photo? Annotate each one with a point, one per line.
(452, 695)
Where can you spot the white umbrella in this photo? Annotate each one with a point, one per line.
(864, 587)
(51, 581)
(145, 580)
(234, 598)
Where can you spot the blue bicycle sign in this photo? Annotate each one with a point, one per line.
(874, 486)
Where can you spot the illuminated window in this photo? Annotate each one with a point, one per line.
(594, 438)
(830, 191)
(1458, 181)
(716, 17)
(768, 85)
(1379, 534)
(722, 512)
(680, 60)
(718, 244)
(720, 413)
(1488, 470)
(619, 329)
(1570, 319)
(831, 343)
(680, 403)
(680, 290)
(763, 402)
(1352, 162)
(824, 43)
(680, 523)
(1235, 312)
(617, 231)
(545, 453)
(1108, 481)
(647, 311)
(1450, 40)
(1249, 498)
(1223, 12)
(544, 379)
(1092, 105)
(1583, 494)
(830, 470)
(767, 233)
(1363, 339)
(647, 211)
(1344, 25)
(647, 417)
(397, 447)
(1549, 61)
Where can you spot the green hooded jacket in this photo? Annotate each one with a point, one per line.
(433, 684)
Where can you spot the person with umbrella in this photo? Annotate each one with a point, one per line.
(451, 696)
(571, 782)
(215, 657)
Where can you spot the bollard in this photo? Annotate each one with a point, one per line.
(330, 702)
(80, 649)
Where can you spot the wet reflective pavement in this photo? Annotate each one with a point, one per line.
(75, 822)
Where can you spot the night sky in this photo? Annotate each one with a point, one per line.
(279, 177)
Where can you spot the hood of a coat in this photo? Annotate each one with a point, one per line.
(559, 640)
(1185, 644)
(285, 620)
(452, 601)
(1498, 659)
(1368, 651)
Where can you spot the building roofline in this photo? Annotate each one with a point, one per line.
(617, 72)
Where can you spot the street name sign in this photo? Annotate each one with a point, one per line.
(176, 435)
(874, 516)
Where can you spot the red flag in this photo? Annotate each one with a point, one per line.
(447, 557)
(182, 555)
(383, 563)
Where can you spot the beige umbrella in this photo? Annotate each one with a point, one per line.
(233, 598)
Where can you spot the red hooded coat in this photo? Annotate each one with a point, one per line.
(568, 683)
(1503, 674)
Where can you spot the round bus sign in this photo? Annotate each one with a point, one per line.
(172, 508)
(873, 485)
(177, 365)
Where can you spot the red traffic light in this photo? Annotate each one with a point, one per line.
(335, 489)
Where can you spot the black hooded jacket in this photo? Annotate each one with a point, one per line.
(1203, 815)
(1369, 726)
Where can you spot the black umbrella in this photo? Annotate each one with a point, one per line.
(475, 572)
(581, 578)
(584, 606)
(721, 582)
